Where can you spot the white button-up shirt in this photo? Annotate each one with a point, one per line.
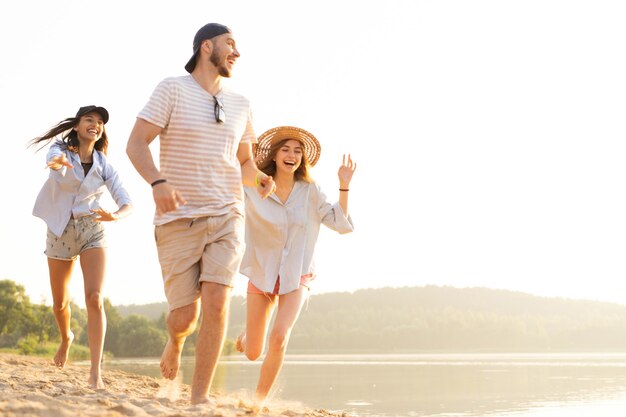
(281, 238)
(68, 192)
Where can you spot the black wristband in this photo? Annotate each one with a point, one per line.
(159, 181)
(344, 189)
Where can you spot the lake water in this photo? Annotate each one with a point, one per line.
(412, 385)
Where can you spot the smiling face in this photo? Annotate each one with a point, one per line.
(224, 53)
(289, 156)
(90, 127)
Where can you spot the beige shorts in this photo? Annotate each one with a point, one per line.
(79, 235)
(206, 249)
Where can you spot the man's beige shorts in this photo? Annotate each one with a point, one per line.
(203, 249)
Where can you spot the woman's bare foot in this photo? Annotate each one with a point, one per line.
(170, 359)
(60, 359)
(240, 343)
(259, 404)
(95, 380)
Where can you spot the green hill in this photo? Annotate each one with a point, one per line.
(442, 319)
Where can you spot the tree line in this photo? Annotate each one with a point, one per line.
(445, 319)
(442, 319)
(31, 328)
(384, 320)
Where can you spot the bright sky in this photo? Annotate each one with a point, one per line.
(489, 135)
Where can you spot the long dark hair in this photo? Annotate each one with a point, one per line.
(69, 137)
(268, 165)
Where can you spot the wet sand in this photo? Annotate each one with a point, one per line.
(31, 386)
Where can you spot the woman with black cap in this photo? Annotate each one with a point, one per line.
(69, 204)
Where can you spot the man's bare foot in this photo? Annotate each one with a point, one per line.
(63, 352)
(95, 381)
(170, 359)
(203, 400)
(241, 340)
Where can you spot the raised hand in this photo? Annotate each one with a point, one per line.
(58, 162)
(346, 170)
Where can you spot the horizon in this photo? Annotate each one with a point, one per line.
(503, 290)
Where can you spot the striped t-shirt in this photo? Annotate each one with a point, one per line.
(197, 155)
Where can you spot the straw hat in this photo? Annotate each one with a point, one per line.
(312, 148)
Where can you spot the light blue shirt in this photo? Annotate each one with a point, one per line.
(281, 237)
(69, 193)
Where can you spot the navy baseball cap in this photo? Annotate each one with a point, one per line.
(208, 31)
(88, 109)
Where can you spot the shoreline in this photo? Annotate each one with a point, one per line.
(33, 386)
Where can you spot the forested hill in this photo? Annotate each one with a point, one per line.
(443, 319)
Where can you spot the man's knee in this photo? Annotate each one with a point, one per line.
(215, 299)
(183, 319)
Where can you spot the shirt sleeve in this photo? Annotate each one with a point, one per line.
(159, 107)
(114, 184)
(56, 149)
(248, 135)
(332, 215)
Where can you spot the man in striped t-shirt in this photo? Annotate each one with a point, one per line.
(205, 136)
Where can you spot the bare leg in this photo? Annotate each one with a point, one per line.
(93, 265)
(215, 306)
(289, 307)
(259, 308)
(181, 322)
(60, 274)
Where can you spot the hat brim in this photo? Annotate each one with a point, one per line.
(312, 147)
(98, 109)
(191, 64)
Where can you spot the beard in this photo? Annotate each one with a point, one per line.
(221, 68)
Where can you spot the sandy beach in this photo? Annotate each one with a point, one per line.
(31, 386)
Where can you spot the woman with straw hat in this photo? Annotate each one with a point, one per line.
(281, 233)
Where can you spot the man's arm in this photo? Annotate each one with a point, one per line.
(138, 149)
(250, 174)
(165, 196)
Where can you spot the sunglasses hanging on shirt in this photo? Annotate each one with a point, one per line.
(220, 115)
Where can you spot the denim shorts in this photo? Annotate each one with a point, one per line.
(79, 235)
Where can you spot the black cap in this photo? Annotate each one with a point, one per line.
(208, 31)
(88, 109)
